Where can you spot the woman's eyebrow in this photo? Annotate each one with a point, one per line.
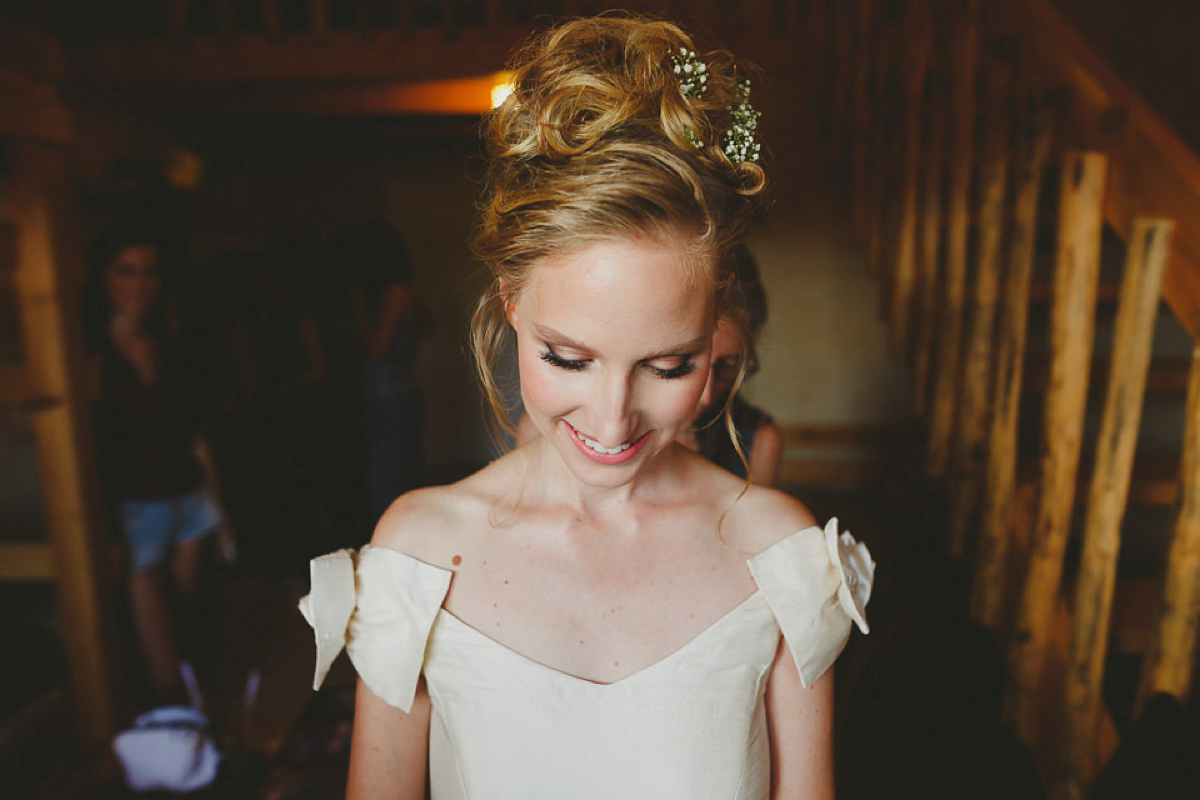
(554, 338)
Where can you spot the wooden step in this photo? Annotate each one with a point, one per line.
(1155, 481)
(1167, 374)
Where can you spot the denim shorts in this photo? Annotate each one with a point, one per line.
(152, 527)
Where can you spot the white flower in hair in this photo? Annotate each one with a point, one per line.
(691, 71)
(739, 143)
(857, 571)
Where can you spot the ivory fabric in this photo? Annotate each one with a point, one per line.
(503, 726)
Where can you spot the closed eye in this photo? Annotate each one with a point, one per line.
(555, 360)
(683, 370)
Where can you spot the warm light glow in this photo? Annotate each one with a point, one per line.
(502, 88)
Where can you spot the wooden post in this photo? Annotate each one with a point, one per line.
(904, 268)
(992, 550)
(1072, 322)
(1145, 264)
(931, 241)
(61, 429)
(954, 279)
(1171, 657)
(968, 457)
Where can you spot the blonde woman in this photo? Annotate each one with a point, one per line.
(600, 613)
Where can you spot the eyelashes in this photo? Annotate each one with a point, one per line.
(555, 360)
(576, 365)
(683, 370)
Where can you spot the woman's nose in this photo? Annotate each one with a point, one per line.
(612, 410)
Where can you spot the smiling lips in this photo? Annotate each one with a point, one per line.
(606, 455)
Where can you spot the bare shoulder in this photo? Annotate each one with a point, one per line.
(436, 523)
(763, 516)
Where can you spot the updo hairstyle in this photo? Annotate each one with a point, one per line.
(598, 141)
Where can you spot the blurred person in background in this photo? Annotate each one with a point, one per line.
(156, 471)
(390, 322)
(759, 437)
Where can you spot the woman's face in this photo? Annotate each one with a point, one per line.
(724, 363)
(132, 280)
(613, 343)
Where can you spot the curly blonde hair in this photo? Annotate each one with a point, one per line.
(598, 141)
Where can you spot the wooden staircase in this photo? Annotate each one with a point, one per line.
(991, 149)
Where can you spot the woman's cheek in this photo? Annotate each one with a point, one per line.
(543, 392)
(680, 400)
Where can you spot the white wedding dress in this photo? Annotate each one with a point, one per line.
(689, 727)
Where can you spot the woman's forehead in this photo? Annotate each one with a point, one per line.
(637, 286)
(666, 264)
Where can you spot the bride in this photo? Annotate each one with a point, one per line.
(601, 612)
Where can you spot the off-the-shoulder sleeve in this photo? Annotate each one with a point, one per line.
(380, 605)
(816, 583)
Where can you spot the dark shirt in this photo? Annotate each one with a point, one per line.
(712, 437)
(145, 432)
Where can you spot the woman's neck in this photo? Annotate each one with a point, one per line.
(547, 476)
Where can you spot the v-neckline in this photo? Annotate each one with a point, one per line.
(674, 655)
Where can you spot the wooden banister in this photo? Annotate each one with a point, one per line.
(971, 430)
(904, 268)
(954, 278)
(1170, 661)
(1000, 473)
(930, 253)
(1153, 171)
(1144, 267)
(1077, 263)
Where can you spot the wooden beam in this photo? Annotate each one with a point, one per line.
(831, 454)
(835, 435)
(1167, 374)
(828, 471)
(470, 96)
(1072, 322)
(1132, 340)
(1153, 171)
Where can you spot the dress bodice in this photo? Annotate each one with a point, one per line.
(692, 724)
